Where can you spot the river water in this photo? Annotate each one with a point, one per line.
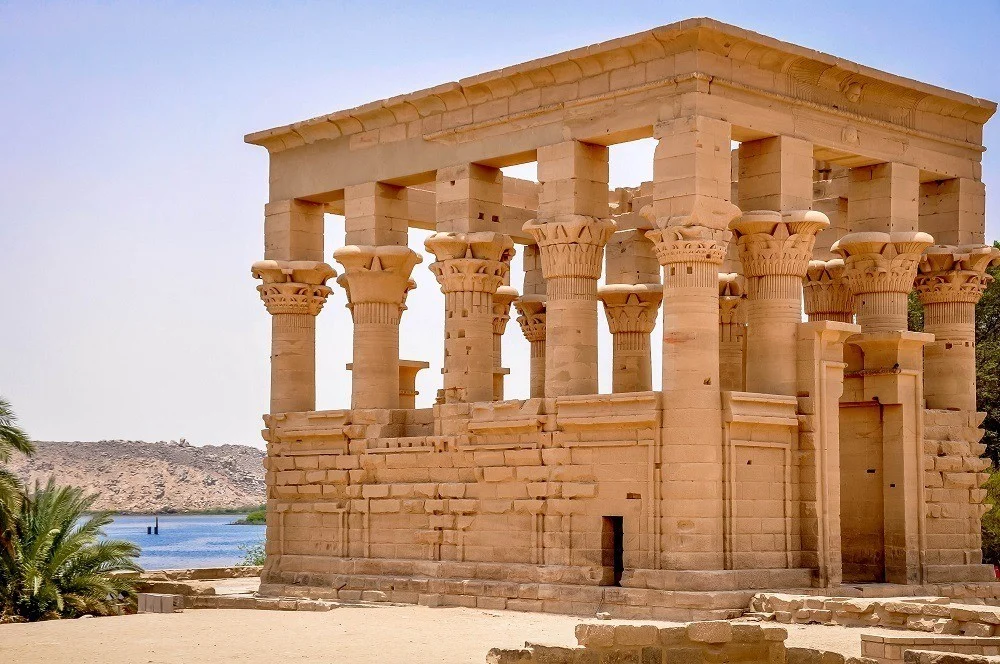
(187, 541)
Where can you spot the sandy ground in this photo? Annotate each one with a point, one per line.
(405, 634)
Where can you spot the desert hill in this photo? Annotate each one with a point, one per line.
(136, 476)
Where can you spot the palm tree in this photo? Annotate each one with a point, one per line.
(60, 566)
(12, 439)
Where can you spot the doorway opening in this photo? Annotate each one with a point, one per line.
(613, 549)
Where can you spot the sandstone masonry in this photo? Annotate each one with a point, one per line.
(780, 452)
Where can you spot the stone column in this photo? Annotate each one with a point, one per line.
(775, 250)
(502, 300)
(950, 282)
(470, 267)
(376, 279)
(631, 312)
(827, 295)
(691, 213)
(571, 231)
(294, 292)
(572, 251)
(880, 268)
(408, 370)
(732, 332)
(532, 321)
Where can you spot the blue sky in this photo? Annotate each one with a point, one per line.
(131, 209)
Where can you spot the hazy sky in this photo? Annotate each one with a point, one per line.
(131, 209)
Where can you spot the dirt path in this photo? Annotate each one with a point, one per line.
(405, 634)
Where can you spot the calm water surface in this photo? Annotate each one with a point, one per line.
(187, 541)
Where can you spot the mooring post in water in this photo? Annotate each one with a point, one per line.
(149, 530)
(156, 526)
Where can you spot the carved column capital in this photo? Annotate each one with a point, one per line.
(531, 310)
(774, 243)
(293, 287)
(502, 300)
(827, 294)
(631, 308)
(689, 244)
(572, 245)
(470, 262)
(880, 268)
(377, 278)
(881, 262)
(948, 273)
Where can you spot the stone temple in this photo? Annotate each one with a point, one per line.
(803, 437)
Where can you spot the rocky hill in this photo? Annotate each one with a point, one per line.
(135, 476)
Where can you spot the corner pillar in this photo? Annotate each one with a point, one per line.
(631, 313)
(294, 293)
(376, 279)
(775, 250)
(691, 212)
(950, 282)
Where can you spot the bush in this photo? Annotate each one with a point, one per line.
(253, 555)
(258, 517)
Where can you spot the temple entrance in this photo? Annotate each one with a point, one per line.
(862, 508)
(612, 550)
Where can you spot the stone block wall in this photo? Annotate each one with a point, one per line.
(954, 475)
(525, 482)
(894, 649)
(713, 641)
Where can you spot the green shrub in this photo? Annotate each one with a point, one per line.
(253, 555)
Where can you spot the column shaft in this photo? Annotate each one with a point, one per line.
(632, 363)
(375, 376)
(571, 337)
(950, 360)
(293, 363)
(773, 317)
(468, 347)
(537, 384)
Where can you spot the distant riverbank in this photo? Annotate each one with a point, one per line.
(232, 511)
